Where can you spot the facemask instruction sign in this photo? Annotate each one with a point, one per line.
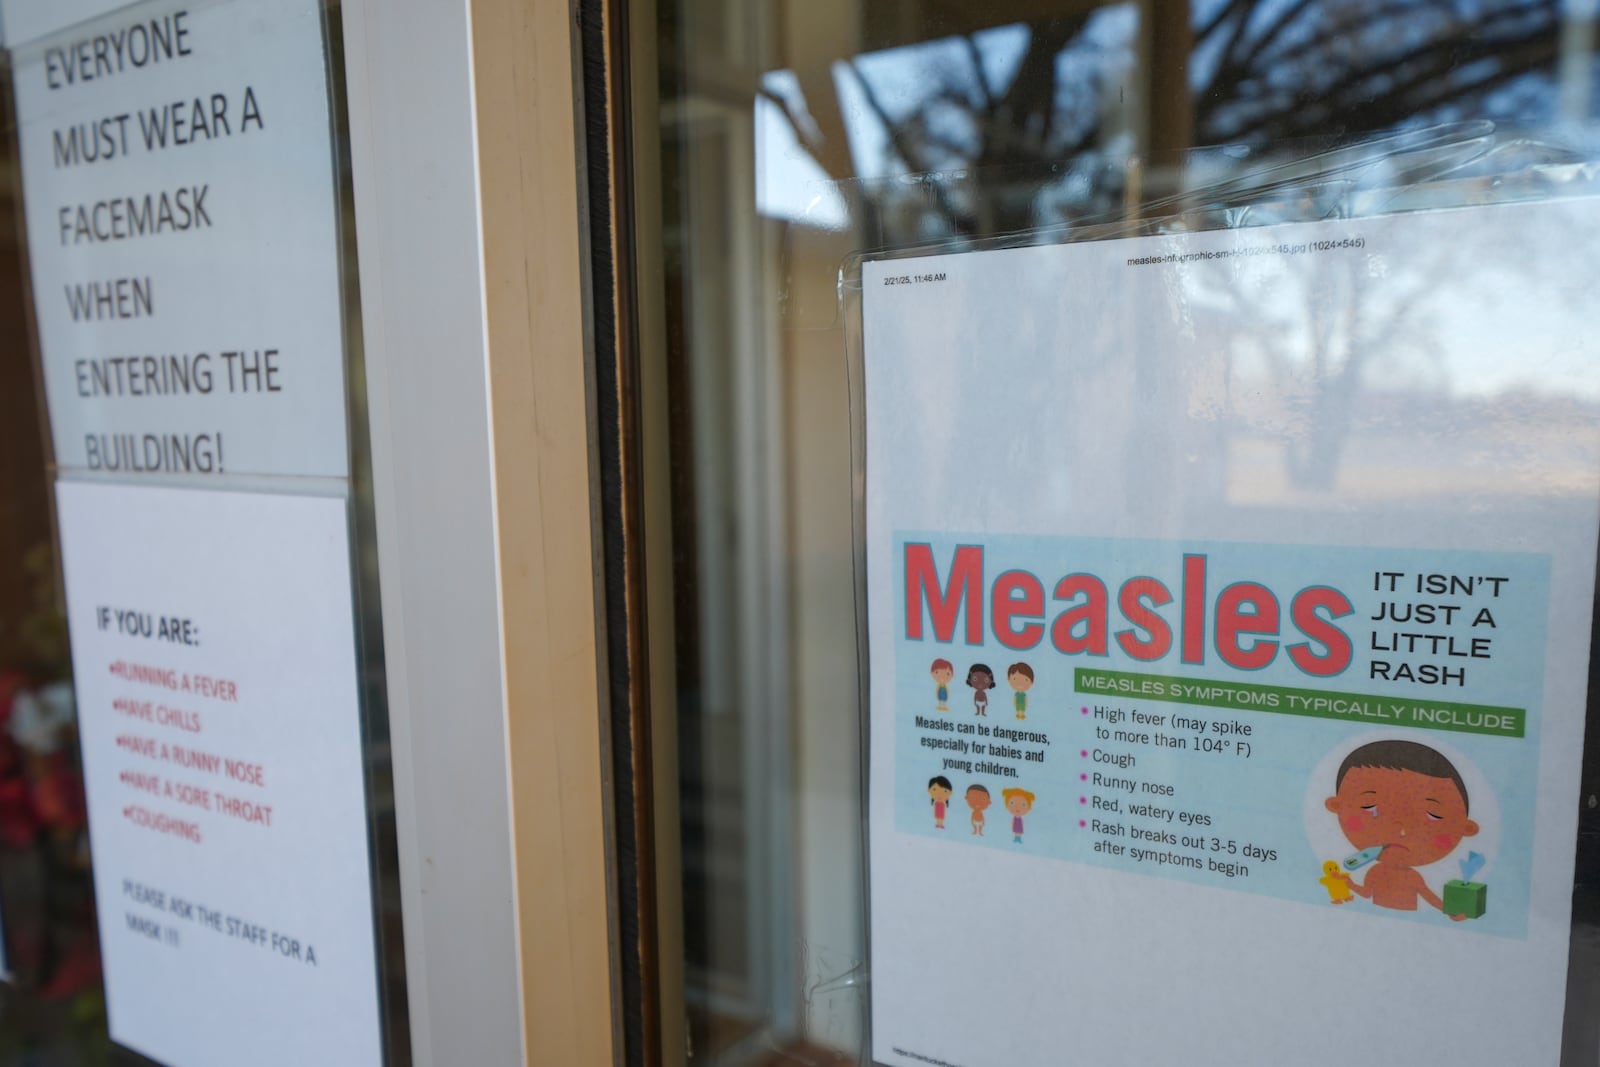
(179, 197)
(1229, 600)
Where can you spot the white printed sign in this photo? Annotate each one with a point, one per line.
(215, 668)
(179, 196)
(24, 21)
(1229, 600)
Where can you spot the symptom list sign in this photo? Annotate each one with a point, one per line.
(178, 181)
(215, 680)
(1229, 600)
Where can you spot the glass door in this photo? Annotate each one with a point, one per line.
(793, 154)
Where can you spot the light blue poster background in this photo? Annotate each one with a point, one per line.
(1251, 815)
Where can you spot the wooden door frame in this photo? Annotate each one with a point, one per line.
(467, 159)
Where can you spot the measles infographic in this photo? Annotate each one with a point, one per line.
(1228, 605)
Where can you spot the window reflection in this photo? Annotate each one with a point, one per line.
(797, 134)
(1047, 120)
(52, 1008)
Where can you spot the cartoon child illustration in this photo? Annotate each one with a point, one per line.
(978, 799)
(1020, 677)
(1407, 802)
(1018, 802)
(939, 791)
(943, 670)
(981, 678)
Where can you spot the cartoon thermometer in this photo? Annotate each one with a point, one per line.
(1360, 859)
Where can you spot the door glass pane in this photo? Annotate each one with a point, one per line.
(793, 136)
(170, 820)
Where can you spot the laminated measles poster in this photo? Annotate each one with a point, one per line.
(1229, 600)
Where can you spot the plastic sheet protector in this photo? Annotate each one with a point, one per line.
(1229, 600)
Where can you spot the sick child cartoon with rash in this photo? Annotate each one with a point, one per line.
(1408, 801)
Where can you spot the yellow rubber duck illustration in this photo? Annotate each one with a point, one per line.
(1338, 887)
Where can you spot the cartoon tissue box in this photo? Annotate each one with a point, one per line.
(1463, 896)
